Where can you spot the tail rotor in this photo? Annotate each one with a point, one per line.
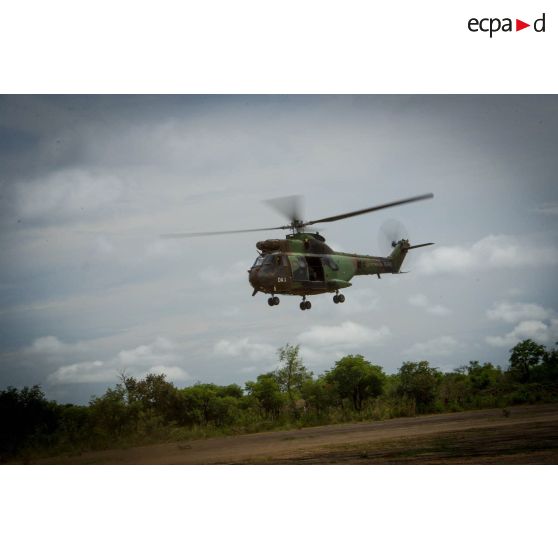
(390, 233)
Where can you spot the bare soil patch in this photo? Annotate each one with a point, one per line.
(524, 435)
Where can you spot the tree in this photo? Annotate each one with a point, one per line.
(25, 416)
(525, 355)
(356, 379)
(267, 393)
(319, 395)
(550, 357)
(292, 375)
(232, 390)
(153, 395)
(418, 381)
(454, 389)
(482, 376)
(112, 415)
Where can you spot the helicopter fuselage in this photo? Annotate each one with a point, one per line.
(303, 264)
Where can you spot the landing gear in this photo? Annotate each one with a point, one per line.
(338, 298)
(305, 304)
(273, 300)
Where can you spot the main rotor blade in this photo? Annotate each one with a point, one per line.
(215, 233)
(289, 206)
(370, 209)
(420, 245)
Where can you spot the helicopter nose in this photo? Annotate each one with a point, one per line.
(253, 277)
(258, 278)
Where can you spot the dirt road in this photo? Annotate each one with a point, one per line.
(526, 435)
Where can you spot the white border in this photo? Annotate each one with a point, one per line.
(254, 46)
(277, 511)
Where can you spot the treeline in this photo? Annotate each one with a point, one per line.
(140, 411)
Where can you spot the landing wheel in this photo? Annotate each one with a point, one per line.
(276, 300)
(303, 305)
(307, 305)
(341, 298)
(336, 299)
(270, 301)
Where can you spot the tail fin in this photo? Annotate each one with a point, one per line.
(399, 252)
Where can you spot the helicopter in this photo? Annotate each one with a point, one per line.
(302, 264)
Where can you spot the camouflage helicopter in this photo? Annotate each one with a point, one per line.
(302, 264)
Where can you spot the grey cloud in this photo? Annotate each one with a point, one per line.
(422, 301)
(491, 252)
(439, 346)
(537, 330)
(512, 312)
(347, 335)
(156, 357)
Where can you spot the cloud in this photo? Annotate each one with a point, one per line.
(48, 344)
(163, 249)
(491, 252)
(83, 372)
(533, 322)
(359, 301)
(147, 354)
(439, 346)
(548, 208)
(103, 246)
(172, 373)
(529, 329)
(348, 334)
(321, 357)
(66, 195)
(233, 274)
(514, 291)
(421, 301)
(155, 358)
(513, 312)
(244, 348)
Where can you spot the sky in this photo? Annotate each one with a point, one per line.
(88, 184)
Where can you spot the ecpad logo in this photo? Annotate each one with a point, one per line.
(493, 25)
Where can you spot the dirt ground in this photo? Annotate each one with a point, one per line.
(521, 435)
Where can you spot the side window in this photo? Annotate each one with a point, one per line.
(331, 263)
(299, 268)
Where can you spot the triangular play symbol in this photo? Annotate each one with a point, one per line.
(519, 25)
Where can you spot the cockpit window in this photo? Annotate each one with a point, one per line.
(269, 260)
(258, 261)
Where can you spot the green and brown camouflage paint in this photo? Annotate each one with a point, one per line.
(303, 264)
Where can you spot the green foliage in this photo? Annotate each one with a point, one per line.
(524, 356)
(266, 391)
(454, 391)
(292, 375)
(24, 415)
(355, 379)
(418, 381)
(319, 396)
(484, 376)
